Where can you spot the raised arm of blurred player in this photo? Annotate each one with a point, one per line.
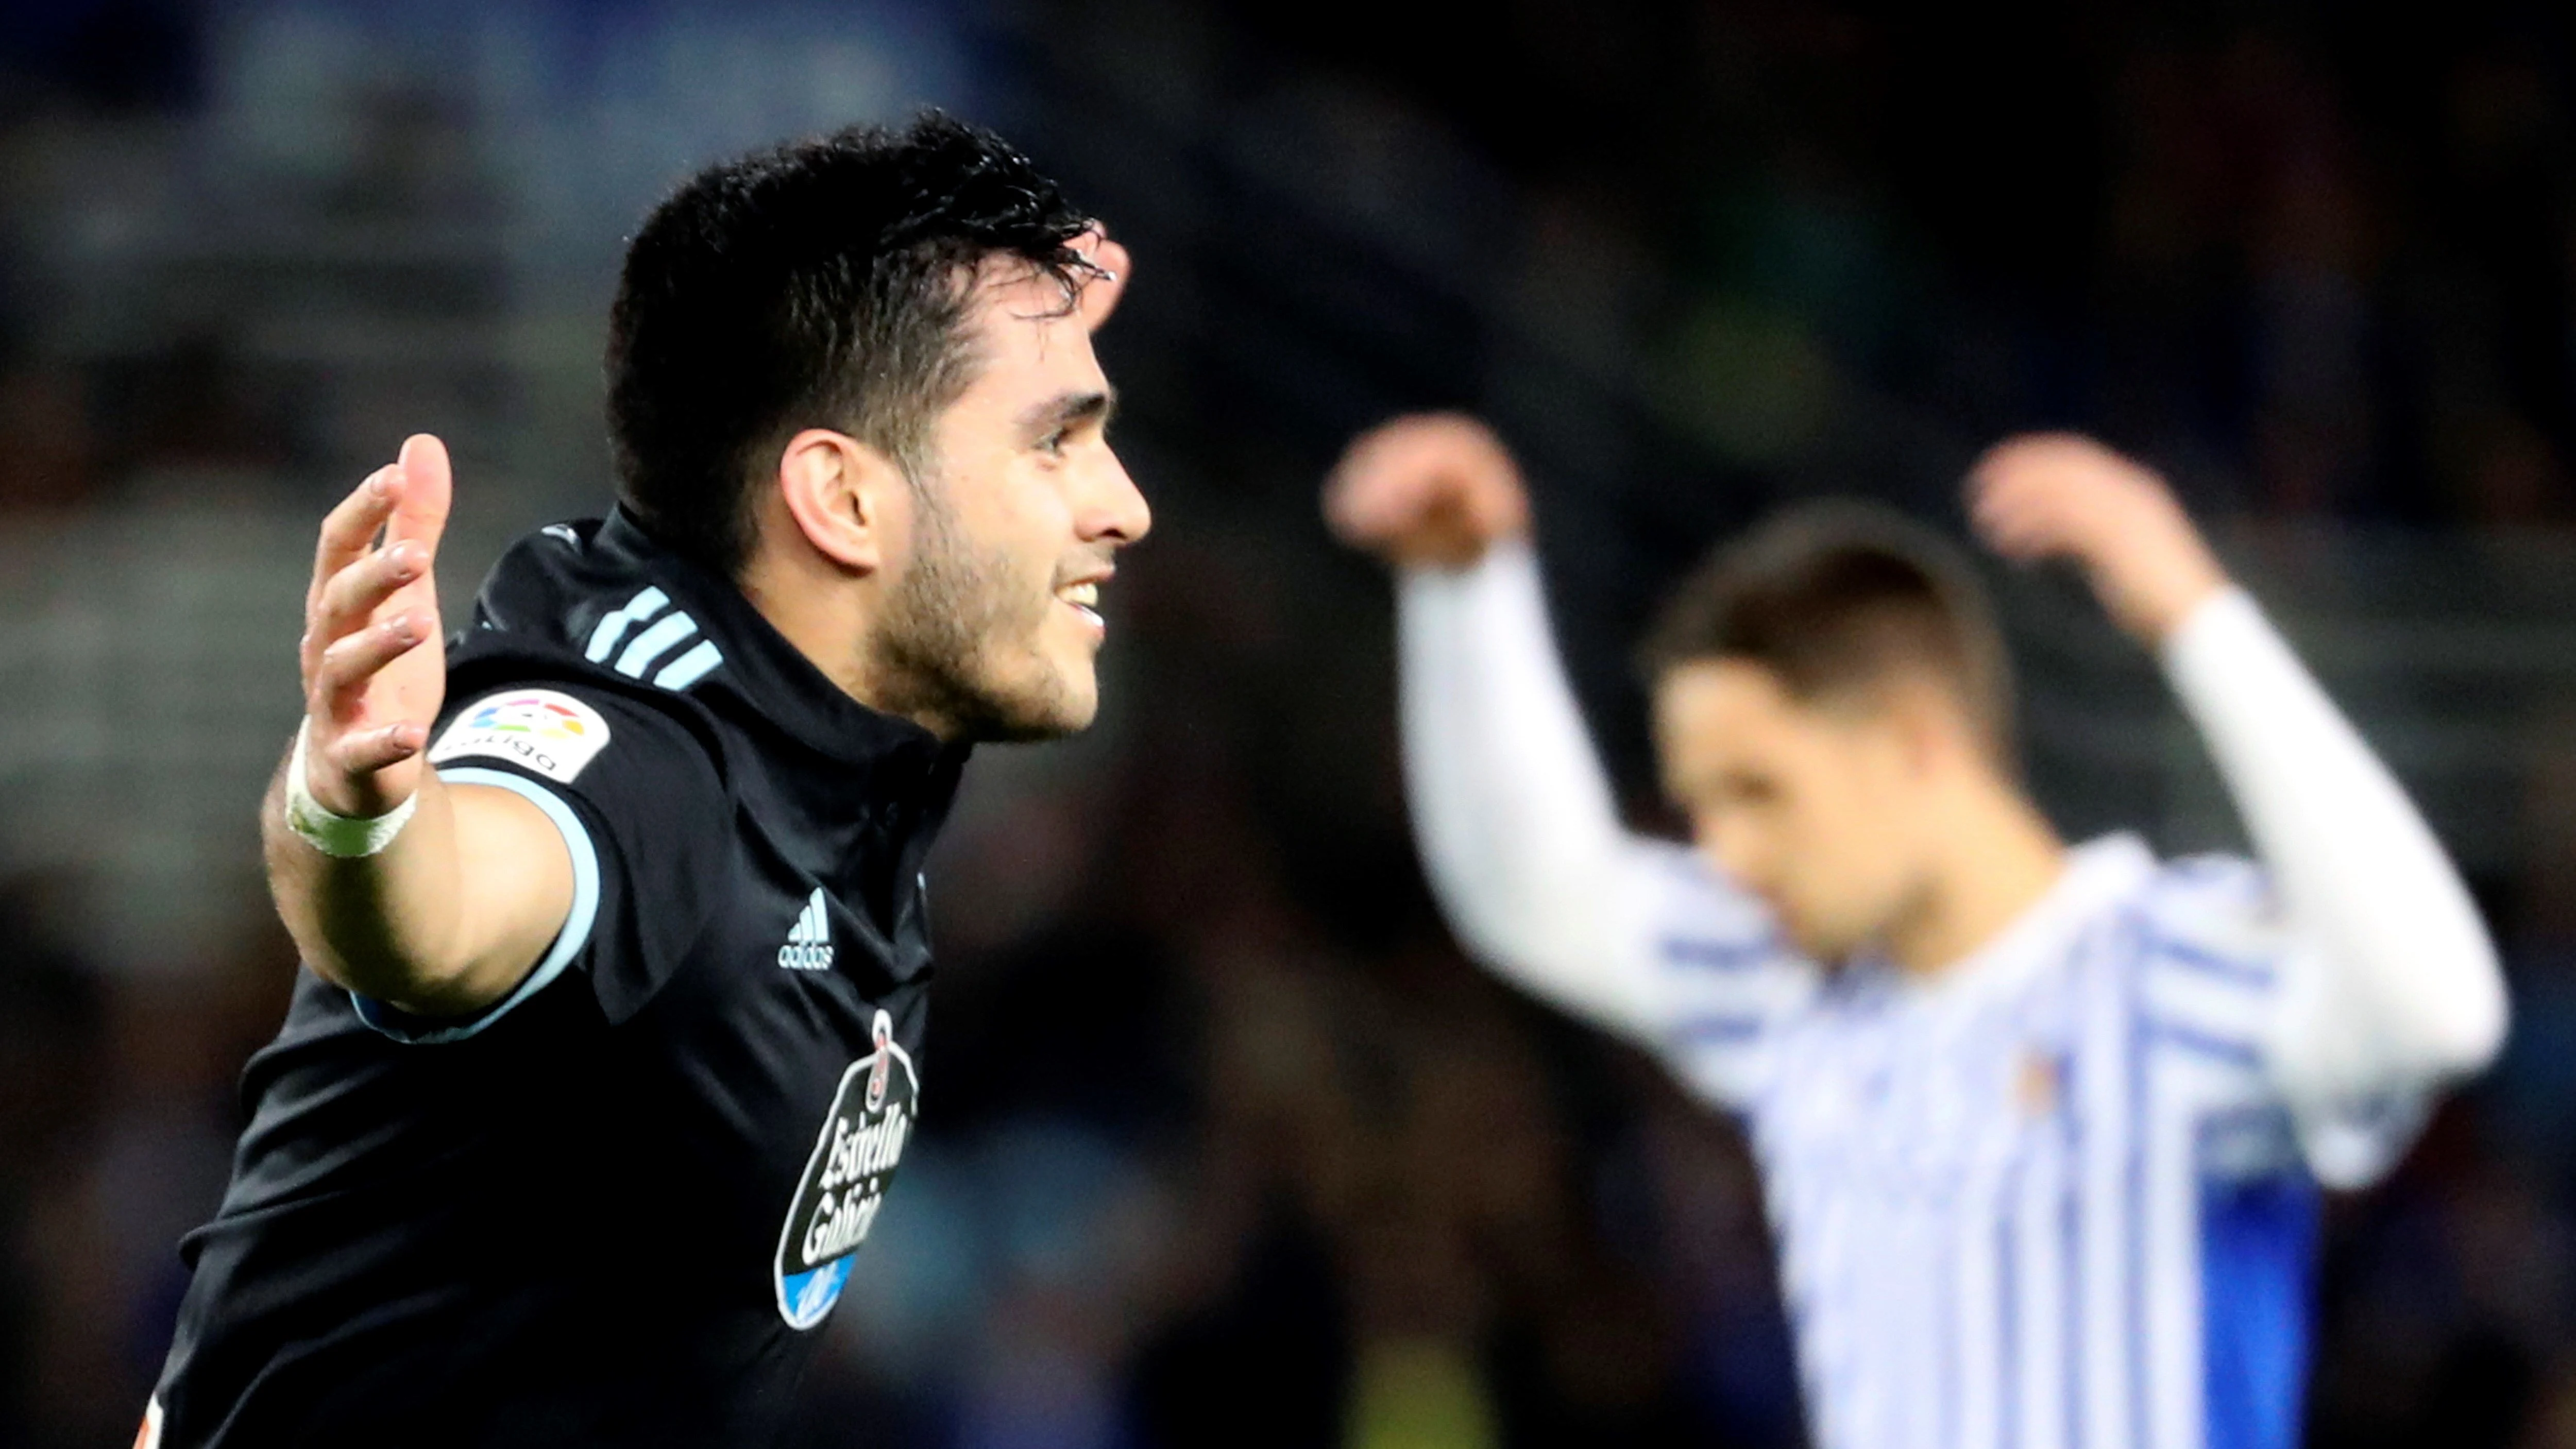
(1513, 814)
(455, 911)
(2399, 987)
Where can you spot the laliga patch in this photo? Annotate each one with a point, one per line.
(542, 730)
(845, 1181)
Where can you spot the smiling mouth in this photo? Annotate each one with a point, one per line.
(1084, 599)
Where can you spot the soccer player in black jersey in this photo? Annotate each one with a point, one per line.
(611, 907)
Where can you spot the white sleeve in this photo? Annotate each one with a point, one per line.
(2388, 986)
(1511, 810)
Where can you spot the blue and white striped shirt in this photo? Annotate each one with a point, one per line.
(2051, 1200)
(2061, 1194)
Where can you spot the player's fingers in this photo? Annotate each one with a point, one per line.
(1364, 496)
(350, 596)
(2019, 468)
(2062, 462)
(1389, 505)
(1995, 481)
(350, 664)
(420, 505)
(1993, 497)
(1370, 505)
(1099, 295)
(1353, 494)
(1456, 449)
(350, 527)
(1399, 437)
(363, 752)
(1392, 470)
(2018, 479)
(2039, 445)
(2005, 497)
(2024, 532)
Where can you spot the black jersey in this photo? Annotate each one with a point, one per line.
(612, 1208)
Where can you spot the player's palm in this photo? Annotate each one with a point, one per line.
(375, 669)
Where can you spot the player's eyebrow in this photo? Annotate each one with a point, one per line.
(1067, 409)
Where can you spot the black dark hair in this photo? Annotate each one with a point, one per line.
(1837, 599)
(821, 284)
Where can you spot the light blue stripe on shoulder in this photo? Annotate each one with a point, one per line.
(691, 667)
(613, 626)
(658, 639)
(568, 941)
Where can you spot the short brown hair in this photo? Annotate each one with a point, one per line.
(817, 285)
(1839, 598)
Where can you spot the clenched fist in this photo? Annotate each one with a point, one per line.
(1431, 490)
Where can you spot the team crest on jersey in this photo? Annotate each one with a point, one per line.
(543, 730)
(2039, 1083)
(844, 1183)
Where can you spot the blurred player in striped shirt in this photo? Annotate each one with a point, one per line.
(2042, 1127)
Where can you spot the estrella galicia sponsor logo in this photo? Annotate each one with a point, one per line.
(809, 941)
(844, 1184)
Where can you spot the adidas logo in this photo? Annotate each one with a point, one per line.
(809, 941)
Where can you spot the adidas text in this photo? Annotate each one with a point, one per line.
(809, 941)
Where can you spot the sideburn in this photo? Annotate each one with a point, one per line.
(953, 603)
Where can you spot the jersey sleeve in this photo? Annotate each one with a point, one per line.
(2387, 986)
(1727, 982)
(1523, 845)
(2225, 979)
(639, 799)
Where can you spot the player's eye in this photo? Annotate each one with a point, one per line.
(1053, 443)
(1749, 789)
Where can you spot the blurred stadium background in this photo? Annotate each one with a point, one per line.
(1227, 1145)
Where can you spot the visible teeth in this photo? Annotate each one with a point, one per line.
(1082, 596)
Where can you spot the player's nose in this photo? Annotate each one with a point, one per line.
(1113, 508)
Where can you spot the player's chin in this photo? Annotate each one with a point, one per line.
(1812, 939)
(1077, 695)
(1064, 701)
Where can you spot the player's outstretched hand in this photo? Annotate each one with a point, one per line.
(2059, 495)
(1432, 489)
(375, 668)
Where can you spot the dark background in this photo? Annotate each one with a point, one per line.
(1227, 1144)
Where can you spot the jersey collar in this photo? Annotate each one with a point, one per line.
(765, 672)
(2098, 874)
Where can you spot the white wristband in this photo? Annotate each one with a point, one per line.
(345, 836)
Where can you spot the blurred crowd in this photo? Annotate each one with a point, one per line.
(1225, 1142)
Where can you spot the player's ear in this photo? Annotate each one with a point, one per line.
(843, 496)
